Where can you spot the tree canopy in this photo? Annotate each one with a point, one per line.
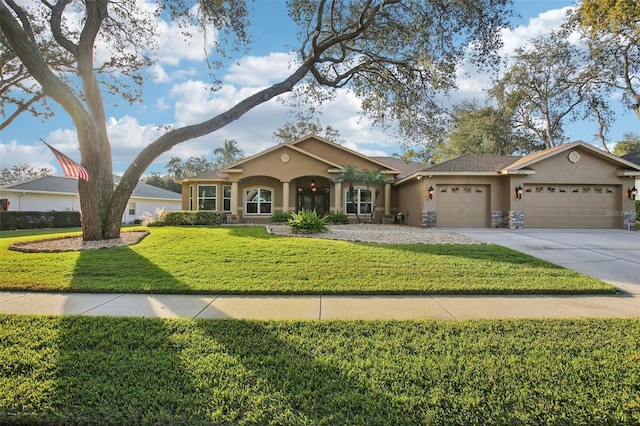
(395, 55)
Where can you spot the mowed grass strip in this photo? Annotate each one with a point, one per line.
(246, 260)
(87, 370)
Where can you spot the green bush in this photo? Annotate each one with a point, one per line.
(280, 217)
(338, 217)
(308, 221)
(185, 217)
(637, 209)
(10, 220)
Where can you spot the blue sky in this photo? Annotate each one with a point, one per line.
(174, 94)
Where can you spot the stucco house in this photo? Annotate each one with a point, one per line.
(634, 158)
(61, 193)
(572, 185)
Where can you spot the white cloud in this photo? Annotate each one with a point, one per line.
(256, 71)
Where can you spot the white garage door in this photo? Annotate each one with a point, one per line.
(570, 206)
(462, 205)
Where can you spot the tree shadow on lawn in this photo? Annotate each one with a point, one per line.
(122, 270)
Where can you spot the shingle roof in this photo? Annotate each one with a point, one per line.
(65, 185)
(633, 157)
(407, 168)
(475, 163)
(212, 174)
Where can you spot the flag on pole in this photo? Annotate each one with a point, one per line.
(69, 167)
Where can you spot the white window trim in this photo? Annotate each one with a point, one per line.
(359, 189)
(226, 198)
(259, 188)
(198, 198)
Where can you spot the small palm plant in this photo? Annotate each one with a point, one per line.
(373, 179)
(308, 221)
(350, 174)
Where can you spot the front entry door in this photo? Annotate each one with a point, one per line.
(314, 200)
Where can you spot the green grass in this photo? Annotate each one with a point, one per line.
(246, 260)
(83, 370)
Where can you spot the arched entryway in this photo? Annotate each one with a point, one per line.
(313, 193)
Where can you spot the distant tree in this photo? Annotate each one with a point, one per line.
(630, 143)
(411, 154)
(485, 131)
(293, 131)
(162, 181)
(22, 172)
(611, 29)
(547, 87)
(227, 154)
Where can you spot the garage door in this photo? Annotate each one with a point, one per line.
(574, 206)
(462, 205)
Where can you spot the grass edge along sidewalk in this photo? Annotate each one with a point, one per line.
(247, 260)
(80, 370)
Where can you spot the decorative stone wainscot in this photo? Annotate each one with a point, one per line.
(428, 219)
(510, 219)
(630, 220)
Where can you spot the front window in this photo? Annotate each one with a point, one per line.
(226, 198)
(207, 197)
(258, 201)
(190, 197)
(132, 209)
(358, 201)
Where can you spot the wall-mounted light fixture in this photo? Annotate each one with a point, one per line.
(518, 192)
(313, 185)
(632, 192)
(430, 191)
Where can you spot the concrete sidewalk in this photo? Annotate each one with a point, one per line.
(320, 307)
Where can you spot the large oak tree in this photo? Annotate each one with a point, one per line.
(394, 54)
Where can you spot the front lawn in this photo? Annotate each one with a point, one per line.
(87, 370)
(246, 260)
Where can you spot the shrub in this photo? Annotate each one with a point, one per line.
(637, 209)
(185, 217)
(308, 221)
(338, 217)
(38, 220)
(280, 217)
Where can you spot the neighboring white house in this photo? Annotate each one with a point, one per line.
(61, 193)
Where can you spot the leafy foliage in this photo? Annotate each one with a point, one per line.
(630, 143)
(22, 172)
(280, 217)
(189, 217)
(338, 218)
(291, 132)
(308, 221)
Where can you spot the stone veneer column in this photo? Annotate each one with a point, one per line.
(429, 219)
(629, 220)
(516, 219)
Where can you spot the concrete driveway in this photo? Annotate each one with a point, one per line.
(610, 255)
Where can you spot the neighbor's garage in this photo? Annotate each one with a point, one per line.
(462, 205)
(570, 206)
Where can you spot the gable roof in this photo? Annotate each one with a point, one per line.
(350, 151)
(69, 186)
(406, 168)
(531, 159)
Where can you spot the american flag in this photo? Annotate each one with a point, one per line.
(69, 167)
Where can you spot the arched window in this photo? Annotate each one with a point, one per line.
(257, 201)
